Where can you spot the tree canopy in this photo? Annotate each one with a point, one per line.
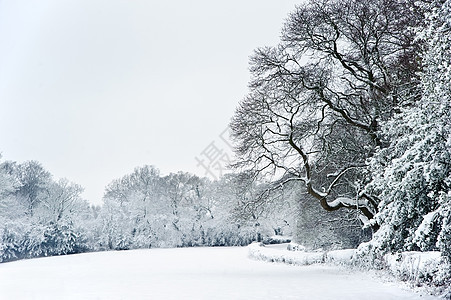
(412, 176)
(317, 98)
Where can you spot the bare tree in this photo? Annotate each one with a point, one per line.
(33, 181)
(61, 198)
(316, 99)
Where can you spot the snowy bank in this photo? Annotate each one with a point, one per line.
(419, 268)
(258, 251)
(342, 257)
(298, 256)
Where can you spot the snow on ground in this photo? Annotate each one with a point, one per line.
(272, 253)
(185, 273)
(417, 266)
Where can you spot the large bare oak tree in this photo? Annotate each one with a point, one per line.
(316, 98)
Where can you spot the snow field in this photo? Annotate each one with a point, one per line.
(185, 273)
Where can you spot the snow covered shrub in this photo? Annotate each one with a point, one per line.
(23, 238)
(412, 176)
(276, 239)
(9, 246)
(258, 251)
(229, 235)
(295, 247)
(60, 239)
(40, 216)
(340, 257)
(421, 268)
(367, 256)
(20, 239)
(143, 237)
(32, 240)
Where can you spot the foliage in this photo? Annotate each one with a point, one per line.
(412, 176)
(316, 99)
(144, 209)
(40, 216)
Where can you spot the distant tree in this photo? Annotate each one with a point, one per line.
(144, 209)
(132, 209)
(7, 182)
(250, 207)
(317, 98)
(10, 207)
(40, 216)
(268, 211)
(194, 209)
(60, 199)
(33, 181)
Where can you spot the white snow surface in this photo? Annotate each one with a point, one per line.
(186, 273)
(416, 266)
(408, 260)
(298, 255)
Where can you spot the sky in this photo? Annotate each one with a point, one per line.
(93, 89)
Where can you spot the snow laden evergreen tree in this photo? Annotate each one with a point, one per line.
(412, 176)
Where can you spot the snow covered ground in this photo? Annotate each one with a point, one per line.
(186, 273)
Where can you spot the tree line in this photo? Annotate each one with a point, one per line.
(40, 216)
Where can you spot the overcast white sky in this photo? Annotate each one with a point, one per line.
(93, 89)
